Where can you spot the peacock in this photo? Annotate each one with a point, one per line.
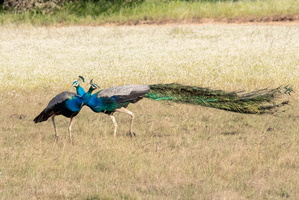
(116, 99)
(67, 104)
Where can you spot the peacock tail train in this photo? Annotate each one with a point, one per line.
(256, 102)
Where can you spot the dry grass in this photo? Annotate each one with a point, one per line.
(228, 57)
(182, 151)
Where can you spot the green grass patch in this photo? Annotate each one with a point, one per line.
(152, 10)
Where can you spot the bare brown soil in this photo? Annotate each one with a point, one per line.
(237, 20)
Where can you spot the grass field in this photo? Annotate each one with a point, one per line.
(181, 151)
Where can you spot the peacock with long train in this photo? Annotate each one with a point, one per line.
(67, 104)
(116, 99)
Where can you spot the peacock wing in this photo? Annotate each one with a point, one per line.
(61, 98)
(56, 106)
(125, 90)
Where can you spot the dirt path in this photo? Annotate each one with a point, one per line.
(237, 20)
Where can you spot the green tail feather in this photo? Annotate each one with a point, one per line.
(254, 102)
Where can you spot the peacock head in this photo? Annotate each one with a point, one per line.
(93, 86)
(77, 82)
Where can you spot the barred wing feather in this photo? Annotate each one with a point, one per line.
(125, 90)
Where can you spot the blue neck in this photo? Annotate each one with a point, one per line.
(80, 90)
(76, 103)
(86, 96)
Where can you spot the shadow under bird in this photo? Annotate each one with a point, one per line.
(116, 99)
(67, 104)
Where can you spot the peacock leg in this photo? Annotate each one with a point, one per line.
(114, 122)
(55, 130)
(123, 110)
(70, 130)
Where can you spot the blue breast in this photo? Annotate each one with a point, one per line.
(74, 104)
(102, 104)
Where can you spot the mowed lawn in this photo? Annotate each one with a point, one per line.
(181, 151)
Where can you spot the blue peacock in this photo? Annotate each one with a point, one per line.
(116, 99)
(67, 104)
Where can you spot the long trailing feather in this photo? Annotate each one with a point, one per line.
(256, 102)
